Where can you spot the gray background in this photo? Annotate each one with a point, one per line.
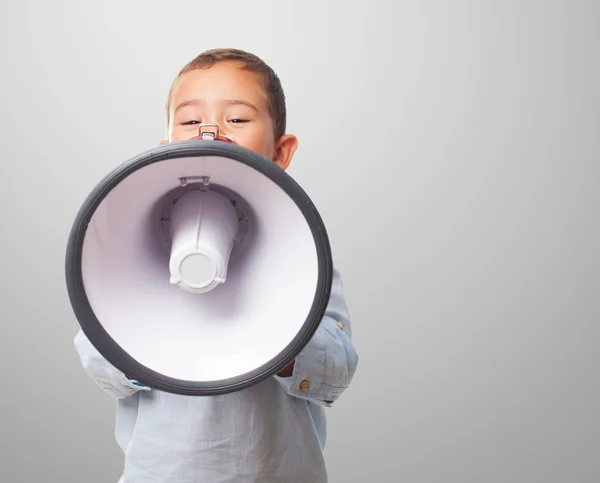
(452, 149)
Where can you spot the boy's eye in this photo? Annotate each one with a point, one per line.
(189, 123)
(238, 120)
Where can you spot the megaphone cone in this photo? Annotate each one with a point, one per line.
(198, 267)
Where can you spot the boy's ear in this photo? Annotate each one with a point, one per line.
(284, 150)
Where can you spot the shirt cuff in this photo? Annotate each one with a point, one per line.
(104, 374)
(324, 368)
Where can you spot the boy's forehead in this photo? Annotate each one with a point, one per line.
(224, 80)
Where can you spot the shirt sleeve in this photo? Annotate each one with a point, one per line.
(102, 372)
(325, 367)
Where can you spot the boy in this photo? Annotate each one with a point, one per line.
(275, 431)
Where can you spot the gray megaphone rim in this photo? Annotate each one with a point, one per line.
(118, 357)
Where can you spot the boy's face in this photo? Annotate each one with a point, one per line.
(234, 100)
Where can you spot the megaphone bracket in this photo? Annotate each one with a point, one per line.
(183, 181)
(212, 135)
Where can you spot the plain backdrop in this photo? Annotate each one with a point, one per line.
(452, 148)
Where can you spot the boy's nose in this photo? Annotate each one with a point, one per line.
(212, 132)
(208, 131)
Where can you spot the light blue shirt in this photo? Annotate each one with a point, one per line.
(273, 432)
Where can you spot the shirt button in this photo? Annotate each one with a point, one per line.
(304, 385)
(341, 325)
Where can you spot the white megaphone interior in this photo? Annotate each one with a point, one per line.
(227, 331)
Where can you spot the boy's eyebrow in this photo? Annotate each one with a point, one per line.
(230, 102)
(236, 102)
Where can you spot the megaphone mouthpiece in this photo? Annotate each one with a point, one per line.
(204, 225)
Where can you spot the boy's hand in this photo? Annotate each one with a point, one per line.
(287, 370)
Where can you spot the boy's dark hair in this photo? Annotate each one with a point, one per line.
(252, 63)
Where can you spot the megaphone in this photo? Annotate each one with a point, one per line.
(198, 267)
